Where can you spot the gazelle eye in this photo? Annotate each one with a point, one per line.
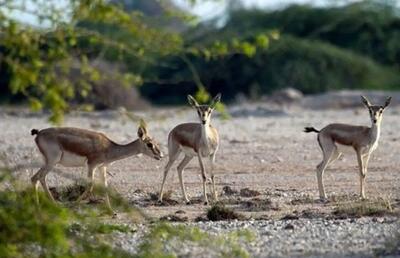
(150, 145)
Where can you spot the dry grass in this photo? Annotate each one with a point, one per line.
(361, 208)
(68, 193)
(167, 199)
(258, 204)
(221, 212)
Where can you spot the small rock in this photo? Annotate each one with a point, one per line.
(289, 226)
(290, 217)
(228, 190)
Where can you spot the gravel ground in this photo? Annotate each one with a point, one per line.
(365, 237)
(262, 149)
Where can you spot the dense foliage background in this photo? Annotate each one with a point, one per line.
(94, 54)
(316, 49)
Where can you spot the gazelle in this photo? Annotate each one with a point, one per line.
(74, 147)
(194, 140)
(364, 140)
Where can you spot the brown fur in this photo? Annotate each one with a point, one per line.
(80, 147)
(187, 134)
(344, 134)
(79, 141)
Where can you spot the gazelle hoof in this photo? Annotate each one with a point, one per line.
(188, 202)
(323, 200)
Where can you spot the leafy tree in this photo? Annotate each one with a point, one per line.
(52, 63)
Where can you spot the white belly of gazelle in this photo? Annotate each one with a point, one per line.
(69, 159)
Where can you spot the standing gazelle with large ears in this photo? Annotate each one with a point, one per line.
(75, 147)
(194, 140)
(363, 139)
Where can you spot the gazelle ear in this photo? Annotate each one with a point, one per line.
(192, 101)
(142, 131)
(388, 99)
(365, 101)
(215, 100)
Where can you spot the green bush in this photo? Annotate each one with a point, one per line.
(28, 229)
(369, 28)
(308, 65)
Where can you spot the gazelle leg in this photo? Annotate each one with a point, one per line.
(362, 166)
(103, 176)
(181, 166)
(328, 149)
(173, 155)
(35, 181)
(51, 159)
(89, 188)
(40, 177)
(365, 163)
(204, 178)
(335, 156)
(214, 192)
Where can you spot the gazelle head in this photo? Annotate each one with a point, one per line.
(375, 112)
(149, 146)
(204, 111)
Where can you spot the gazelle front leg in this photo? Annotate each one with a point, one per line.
(363, 160)
(330, 152)
(181, 166)
(204, 177)
(105, 185)
(89, 188)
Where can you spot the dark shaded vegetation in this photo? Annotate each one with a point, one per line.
(93, 61)
(308, 48)
(220, 212)
(370, 28)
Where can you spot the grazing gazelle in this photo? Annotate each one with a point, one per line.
(362, 139)
(74, 147)
(194, 139)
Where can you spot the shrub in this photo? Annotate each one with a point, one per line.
(220, 212)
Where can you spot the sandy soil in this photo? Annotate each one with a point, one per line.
(262, 148)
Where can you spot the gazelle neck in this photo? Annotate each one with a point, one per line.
(205, 130)
(375, 131)
(118, 151)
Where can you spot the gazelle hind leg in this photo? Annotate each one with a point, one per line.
(40, 177)
(52, 157)
(173, 153)
(180, 168)
(329, 151)
(335, 156)
(214, 192)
